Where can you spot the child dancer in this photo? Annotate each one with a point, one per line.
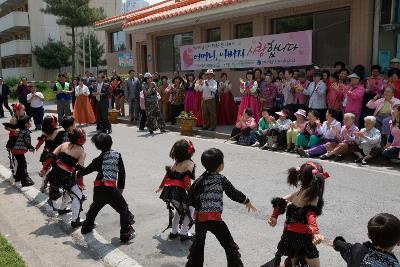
(206, 195)
(384, 232)
(66, 160)
(19, 148)
(108, 187)
(174, 189)
(301, 233)
(52, 137)
(296, 127)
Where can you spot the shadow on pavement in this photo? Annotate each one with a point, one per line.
(174, 248)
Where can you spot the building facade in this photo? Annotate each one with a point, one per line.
(23, 26)
(131, 5)
(342, 30)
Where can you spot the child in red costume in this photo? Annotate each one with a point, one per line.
(301, 233)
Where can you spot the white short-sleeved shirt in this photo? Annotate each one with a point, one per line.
(36, 101)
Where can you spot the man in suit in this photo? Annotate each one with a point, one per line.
(4, 95)
(132, 92)
(101, 98)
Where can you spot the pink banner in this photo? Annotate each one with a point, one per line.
(286, 49)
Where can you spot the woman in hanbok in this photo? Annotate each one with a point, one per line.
(250, 99)
(199, 100)
(190, 94)
(227, 108)
(83, 112)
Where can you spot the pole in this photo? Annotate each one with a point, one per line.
(90, 51)
(84, 51)
(375, 43)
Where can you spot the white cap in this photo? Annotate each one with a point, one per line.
(148, 75)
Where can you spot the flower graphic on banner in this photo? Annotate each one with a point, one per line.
(188, 57)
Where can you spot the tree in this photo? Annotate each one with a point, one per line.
(73, 14)
(97, 51)
(53, 55)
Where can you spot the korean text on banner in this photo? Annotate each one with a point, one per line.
(286, 49)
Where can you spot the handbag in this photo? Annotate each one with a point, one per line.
(244, 140)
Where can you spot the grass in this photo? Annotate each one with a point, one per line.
(8, 255)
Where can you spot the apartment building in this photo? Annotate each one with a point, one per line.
(23, 25)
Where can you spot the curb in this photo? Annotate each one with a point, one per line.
(172, 128)
(103, 250)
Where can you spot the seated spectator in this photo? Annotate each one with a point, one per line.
(310, 136)
(259, 137)
(277, 133)
(328, 132)
(383, 109)
(246, 124)
(346, 138)
(392, 150)
(295, 128)
(368, 141)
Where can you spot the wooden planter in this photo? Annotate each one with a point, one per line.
(113, 116)
(186, 125)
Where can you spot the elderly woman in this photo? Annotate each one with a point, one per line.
(383, 109)
(353, 97)
(243, 128)
(345, 136)
(177, 98)
(327, 131)
(368, 142)
(310, 136)
(392, 150)
(153, 113)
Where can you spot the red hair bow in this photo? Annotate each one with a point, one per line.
(190, 147)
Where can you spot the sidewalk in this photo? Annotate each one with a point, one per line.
(37, 238)
(222, 132)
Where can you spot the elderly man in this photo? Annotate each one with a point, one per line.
(209, 89)
(132, 92)
(317, 94)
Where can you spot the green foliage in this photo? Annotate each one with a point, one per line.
(12, 83)
(73, 13)
(8, 255)
(53, 55)
(97, 51)
(47, 91)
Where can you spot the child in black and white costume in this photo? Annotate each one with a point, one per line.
(108, 187)
(206, 195)
(175, 186)
(384, 232)
(301, 233)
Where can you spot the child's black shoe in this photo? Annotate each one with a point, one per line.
(173, 236)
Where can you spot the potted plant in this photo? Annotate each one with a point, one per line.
(186, 121)
(113, 116)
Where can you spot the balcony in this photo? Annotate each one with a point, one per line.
(16, 47)
(17, 72)
(14, 21)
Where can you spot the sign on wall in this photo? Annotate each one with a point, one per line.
(287, 49)
(125, 59)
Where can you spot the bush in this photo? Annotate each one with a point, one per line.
(12, 82)
(46, 90)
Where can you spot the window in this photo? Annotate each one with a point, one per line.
(293, 24)
(331, 32)
(168, 51)
(213, 35)
(244, 30)
(117, 41)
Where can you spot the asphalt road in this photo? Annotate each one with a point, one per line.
(353, 195)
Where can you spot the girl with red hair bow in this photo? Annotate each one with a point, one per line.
(301, 233)
(174, 188)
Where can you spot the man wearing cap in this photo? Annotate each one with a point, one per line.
(132, 94)
(394, 63)
(63, 96)
(4, 95)
(209, 89)
(353, 97)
